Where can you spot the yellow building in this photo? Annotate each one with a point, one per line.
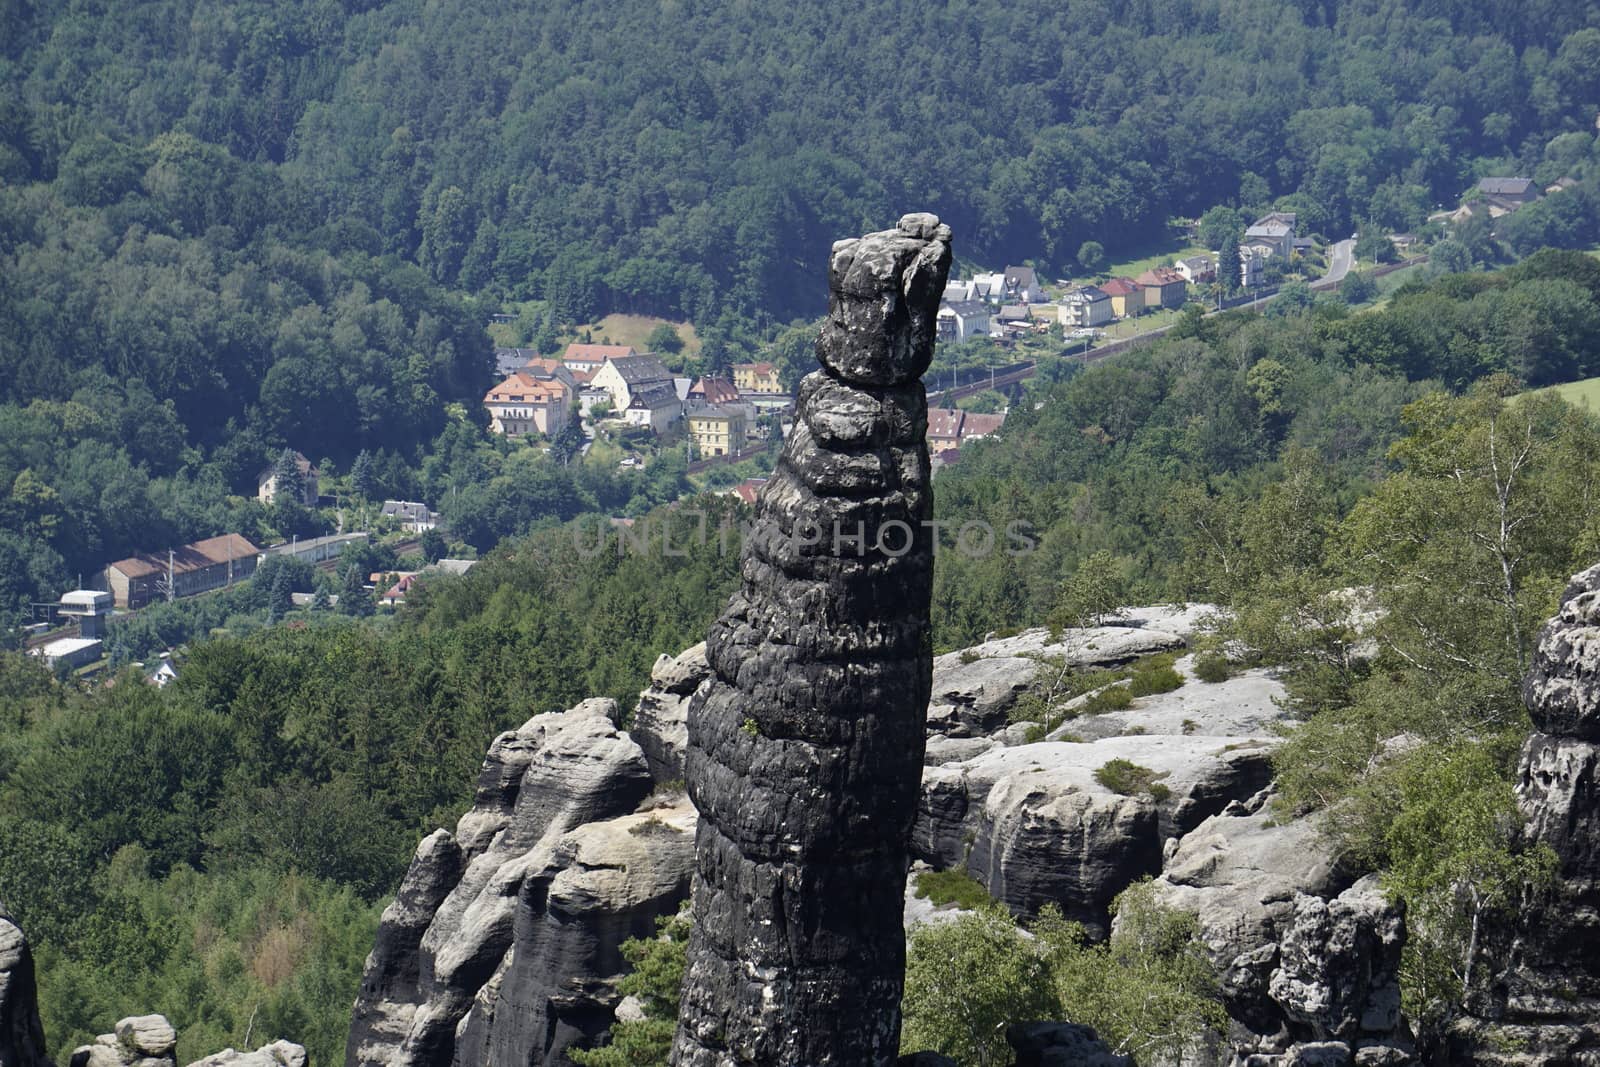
(716, 430)
(756, 378)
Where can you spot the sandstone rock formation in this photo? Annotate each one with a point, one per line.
(1308, 961)
(806, 745)
(151, 1041)
(661, 722)
(1035, 826)
(277, 1054)
(499, 944)
(1544, 1008)
(21, 1035)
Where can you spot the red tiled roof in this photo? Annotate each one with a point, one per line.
(757, 368)
(945, 422)
(1161, 276)
(749, 489)
(715, 390)
(596, 353)
(524, 387)
(1119, 287)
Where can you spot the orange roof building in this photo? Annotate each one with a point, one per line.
(524, 404)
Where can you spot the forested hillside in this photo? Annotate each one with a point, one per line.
(692, 159)
(221, 846)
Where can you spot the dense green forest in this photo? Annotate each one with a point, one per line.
(229, 228)
(1259, 462)
(221, 848)
(692, 159)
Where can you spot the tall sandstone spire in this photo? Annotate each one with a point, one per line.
(805, 746)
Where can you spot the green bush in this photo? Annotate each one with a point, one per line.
(657, 980)
(1212, 667)
(1127, 778)
(1151, 680)
(1111, 698)
(952, 887)
(1149, 991)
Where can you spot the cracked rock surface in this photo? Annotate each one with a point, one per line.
(805, 746)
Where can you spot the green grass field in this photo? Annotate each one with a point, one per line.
(1584, 394)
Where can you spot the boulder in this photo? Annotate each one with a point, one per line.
(1240, 872)
(973, 694)
(146, 1036)
(22, 1042)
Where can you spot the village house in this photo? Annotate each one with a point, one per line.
(713, 391)
(396, 593)
(990, 288)
(1252, 267)
(508, 360)
(1087, 305)
(716, 430)
(757, 378)
(747, 490)
(1507, 193)
(588, 359)
(1272, 233)
(622, 376)
(950, 428)
(413, 516)
(960, 292)
(1022, 286)
(1197, 270)
(267, 482)
(194, 568)
(524, 404)
(1014, 319)
(654, 404)
(963, 321)
(1127, 296)
(1164, 287)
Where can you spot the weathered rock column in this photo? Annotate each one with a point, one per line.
(805, 749)
(1543, 1009)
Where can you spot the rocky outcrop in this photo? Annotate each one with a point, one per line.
(1544, 1007)
(151, 1041)
(1061, 1045)
(1307, 961)
(1036, 826)
(600, 885)
(661, 723)
(277, 1054)
(806, 745)
(21, 1035)
(501, 942)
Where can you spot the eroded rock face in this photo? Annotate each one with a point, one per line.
(1036, 827)
(805, 747)
(661, 723)
(1544, 1008)
(152, 1041)
(21, 1035)
(501, 942)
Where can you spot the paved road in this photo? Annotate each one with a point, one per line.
(1341, 257)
